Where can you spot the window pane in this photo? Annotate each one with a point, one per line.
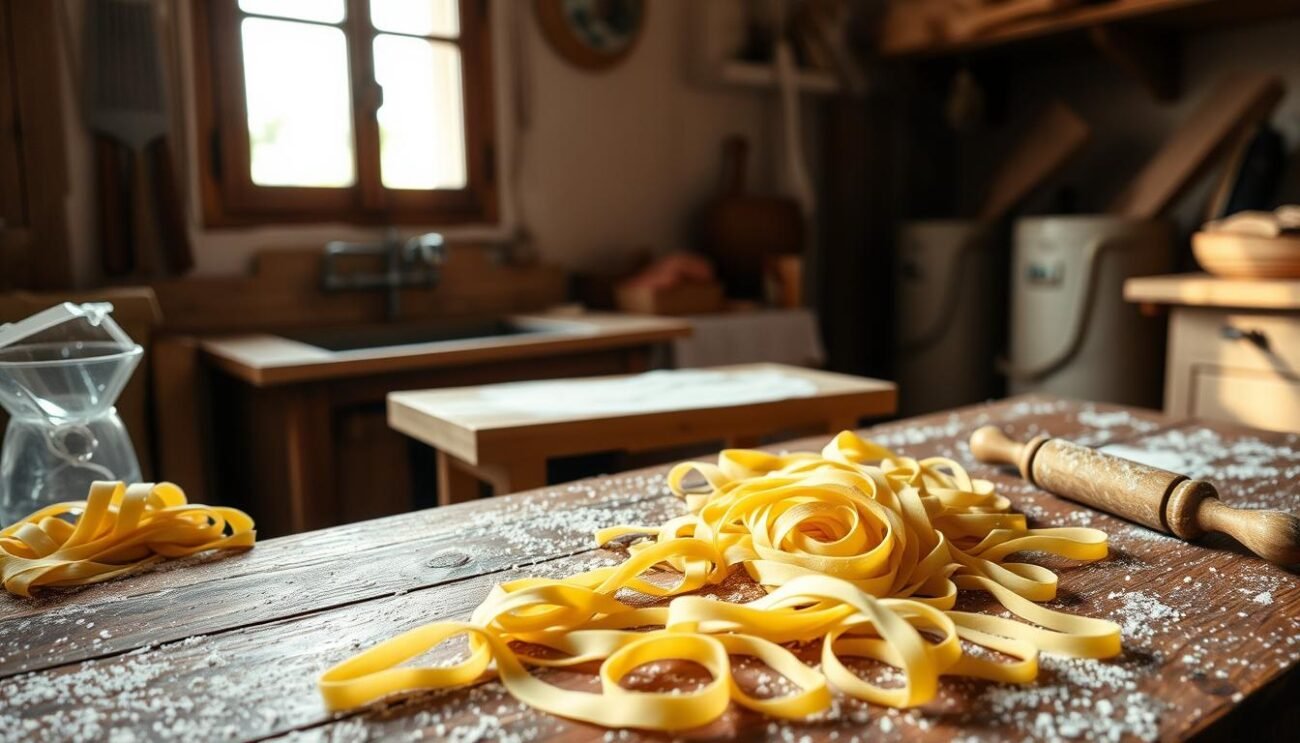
(325, 11)
(299, 104)
(421, 124)
(418, 17)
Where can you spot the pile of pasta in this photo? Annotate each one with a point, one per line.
(118, 529)
(858, 548)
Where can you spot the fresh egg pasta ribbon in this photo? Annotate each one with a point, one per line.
(858, 548)
(117, 529)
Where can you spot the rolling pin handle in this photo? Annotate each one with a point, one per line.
(991, 446)
(1194, 508)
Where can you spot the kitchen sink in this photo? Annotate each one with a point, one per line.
(361, 337)
(315, 353)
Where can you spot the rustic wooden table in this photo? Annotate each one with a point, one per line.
(229, 647)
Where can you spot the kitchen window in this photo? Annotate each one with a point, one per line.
(365, 111)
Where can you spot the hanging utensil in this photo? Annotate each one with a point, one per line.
(126, 108)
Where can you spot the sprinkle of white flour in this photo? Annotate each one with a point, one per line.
(1078, 698)
(1141, 612)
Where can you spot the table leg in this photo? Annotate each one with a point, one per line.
(515, 475)
(456, 481)
(309, 437)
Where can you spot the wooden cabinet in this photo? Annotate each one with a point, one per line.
(1241, 367)
(309, 455)
(1234, 348)
(375, 464)
(1258, 400)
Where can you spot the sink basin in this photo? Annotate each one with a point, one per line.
(311, 354)
(382, 336)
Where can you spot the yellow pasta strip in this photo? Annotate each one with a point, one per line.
(118, 529)
(858, 548)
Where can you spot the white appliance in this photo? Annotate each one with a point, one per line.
(1072, 333)
(950, 310)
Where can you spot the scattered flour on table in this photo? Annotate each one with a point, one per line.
(537, 526)
(1144, 534)
(914, 435)
(1077, 698)
(1141, 612)
(127, 684)
(1093, 418)
(1110, 424)
(1248, 471)
(1262, 590)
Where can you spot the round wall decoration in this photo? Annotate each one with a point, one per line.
(592, 34)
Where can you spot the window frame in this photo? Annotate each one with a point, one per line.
(228, 194)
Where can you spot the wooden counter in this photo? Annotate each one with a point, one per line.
(266, 359)
(300, 435)
(230, 647)
(1204, 290)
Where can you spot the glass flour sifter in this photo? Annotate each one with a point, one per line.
(61, 371)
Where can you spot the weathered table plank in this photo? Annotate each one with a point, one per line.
(1225, 632)
(38, 642)
(212, 594)
(242, 684)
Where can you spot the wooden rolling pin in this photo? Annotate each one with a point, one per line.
(1165, 501)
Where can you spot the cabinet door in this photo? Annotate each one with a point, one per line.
(1235, 367)
(1248, 397)
(372, 464)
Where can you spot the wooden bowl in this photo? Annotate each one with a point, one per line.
(1247, 256)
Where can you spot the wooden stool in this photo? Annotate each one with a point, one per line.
(479, 439)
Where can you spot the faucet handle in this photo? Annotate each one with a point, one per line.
(430, 247)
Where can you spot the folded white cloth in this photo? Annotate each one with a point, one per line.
(772, 336)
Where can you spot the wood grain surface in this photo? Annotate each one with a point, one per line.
(229, 646)
(1114, 485)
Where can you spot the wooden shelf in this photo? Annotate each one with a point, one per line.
(753, 75)
(1152, 14)
(1204, 290)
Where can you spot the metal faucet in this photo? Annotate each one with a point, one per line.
(413, 263)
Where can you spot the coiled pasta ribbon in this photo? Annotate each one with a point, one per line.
(867, 558)
(118, 529)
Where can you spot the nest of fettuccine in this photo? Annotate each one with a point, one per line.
(858, 549)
